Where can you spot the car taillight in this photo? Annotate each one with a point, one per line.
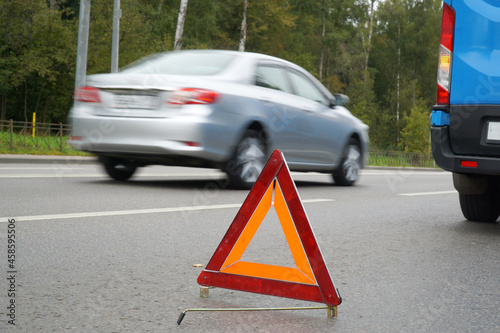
(192, 96)
(445, 56)
(87, 94)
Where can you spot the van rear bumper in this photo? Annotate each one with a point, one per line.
(446, 159)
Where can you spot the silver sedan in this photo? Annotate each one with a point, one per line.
(220, 109)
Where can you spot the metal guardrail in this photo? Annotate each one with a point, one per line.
(20, 136)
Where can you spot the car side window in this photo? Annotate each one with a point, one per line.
(272, 77)
(304, 87)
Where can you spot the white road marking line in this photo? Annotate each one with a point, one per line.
(426, 193)
(63, 175)
(133, 212)
(41, 168)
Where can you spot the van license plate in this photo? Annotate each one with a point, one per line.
(493, 131)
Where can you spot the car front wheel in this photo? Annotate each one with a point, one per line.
(348, 171)
(248, 160)
(118, 170)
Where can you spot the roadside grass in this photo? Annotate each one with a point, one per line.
(18, 143)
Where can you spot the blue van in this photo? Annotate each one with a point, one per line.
(465, 122)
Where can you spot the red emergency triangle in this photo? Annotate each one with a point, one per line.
(310, 280)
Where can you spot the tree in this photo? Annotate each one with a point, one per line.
(142, 32)
(243, 37)
(205, 21)
(268, 24)
(367, 41)
(37, 55)
(415, 135)
(404, 56)
(382, 54)
(180, 25)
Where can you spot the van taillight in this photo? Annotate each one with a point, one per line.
(468, 164)
(445, 56)
(87, 94)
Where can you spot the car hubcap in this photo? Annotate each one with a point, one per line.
(123, 168)
(351, 164)
(250, 159)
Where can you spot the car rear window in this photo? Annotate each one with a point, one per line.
(181, 63)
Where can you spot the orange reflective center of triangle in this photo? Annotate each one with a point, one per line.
(302, 273)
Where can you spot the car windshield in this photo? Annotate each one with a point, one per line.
(181, 63)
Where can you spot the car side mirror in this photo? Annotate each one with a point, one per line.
(340, 100)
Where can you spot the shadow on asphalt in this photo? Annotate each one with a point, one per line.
(479, 228)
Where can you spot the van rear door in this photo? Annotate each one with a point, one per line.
(475, 78)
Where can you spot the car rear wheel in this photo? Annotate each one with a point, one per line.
(119, 170)
(348, 172)
(248, 160)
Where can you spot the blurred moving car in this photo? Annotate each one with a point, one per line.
(219, 109)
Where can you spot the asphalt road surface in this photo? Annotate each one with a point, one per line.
(96, 255)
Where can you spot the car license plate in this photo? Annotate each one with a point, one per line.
(493, 131)
(135, 101)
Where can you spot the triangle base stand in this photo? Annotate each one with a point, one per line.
(332, 311)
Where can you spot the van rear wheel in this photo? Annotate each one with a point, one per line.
(480, 207)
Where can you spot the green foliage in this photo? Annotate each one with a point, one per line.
(415, 135)
(268, 24)
(37, 56)
(404, 55)
(384, 61)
